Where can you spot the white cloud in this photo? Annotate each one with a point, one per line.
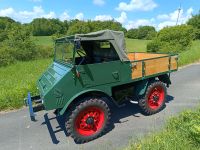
(122, 19)
(142, 5)
(50, 15)
(27, 16)
(103, 17)
(99, 2)
(171, 18)
(7, 12)
(79, 16)
(64, 16)
(140, 22)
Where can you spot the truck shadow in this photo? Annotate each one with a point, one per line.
(128, 109)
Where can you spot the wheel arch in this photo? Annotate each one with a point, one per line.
(89, 92)
(165, 78)
(141, 86)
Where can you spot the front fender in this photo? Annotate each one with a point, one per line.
(62, 111)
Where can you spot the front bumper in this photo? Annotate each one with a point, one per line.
(38, 106)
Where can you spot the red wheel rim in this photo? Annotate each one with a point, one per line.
(156, 97)
(89, 121)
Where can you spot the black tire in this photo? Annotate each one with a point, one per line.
(77, 119)
(147, 104)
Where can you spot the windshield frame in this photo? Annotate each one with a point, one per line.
(73, 53)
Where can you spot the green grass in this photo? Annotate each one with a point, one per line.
(16, 80)
(191, 55)
(134, 45)
(43, 40)
(180, 133)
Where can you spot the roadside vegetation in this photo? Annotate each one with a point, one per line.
(16, 43)
(17, 79)
(191, 55)
(181, 132)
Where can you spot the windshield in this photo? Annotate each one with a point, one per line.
(64, 51)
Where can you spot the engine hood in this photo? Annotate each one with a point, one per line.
(51, 76)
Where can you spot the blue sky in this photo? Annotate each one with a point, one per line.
(131, 13)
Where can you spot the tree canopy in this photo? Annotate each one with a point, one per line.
(142, 32)
(195, 22)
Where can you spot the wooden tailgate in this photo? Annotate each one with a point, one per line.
(174, 64)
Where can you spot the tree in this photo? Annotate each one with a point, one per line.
(146, 32)
(195, 22)
(132, 33)
(47, 27)
(143, 32)
(78, 27)
(5, 22)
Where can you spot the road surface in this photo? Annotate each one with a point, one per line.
(19, 133)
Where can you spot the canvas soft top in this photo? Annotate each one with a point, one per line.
(114, 37)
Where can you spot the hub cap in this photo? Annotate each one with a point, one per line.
(156, 97)
(89, 121)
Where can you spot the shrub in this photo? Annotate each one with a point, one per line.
(23, 51)
(172, 39)
(45, 51)
(154, 46)
(6, 57)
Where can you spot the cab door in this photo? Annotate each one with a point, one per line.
(100, 73)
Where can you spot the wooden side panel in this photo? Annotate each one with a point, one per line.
(156, 66)
(174, 63)
(136, 70)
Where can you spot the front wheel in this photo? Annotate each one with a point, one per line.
(88, 120)
(154, 99)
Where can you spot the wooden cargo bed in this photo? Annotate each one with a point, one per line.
(149, 64)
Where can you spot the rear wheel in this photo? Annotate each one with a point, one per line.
(88, 120)
(154, 99)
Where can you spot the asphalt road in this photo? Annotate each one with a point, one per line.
(19, 133)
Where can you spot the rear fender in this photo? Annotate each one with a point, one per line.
(165, 79)
(140, 87)
(62, 111)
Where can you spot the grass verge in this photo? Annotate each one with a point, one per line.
(16, 80)
(181, 132)
(191, 55)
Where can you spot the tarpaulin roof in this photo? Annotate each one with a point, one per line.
(114, 37)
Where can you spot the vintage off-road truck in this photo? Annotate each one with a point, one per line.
(92, 70)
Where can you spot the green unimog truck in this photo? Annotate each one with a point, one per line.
(92, 71)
